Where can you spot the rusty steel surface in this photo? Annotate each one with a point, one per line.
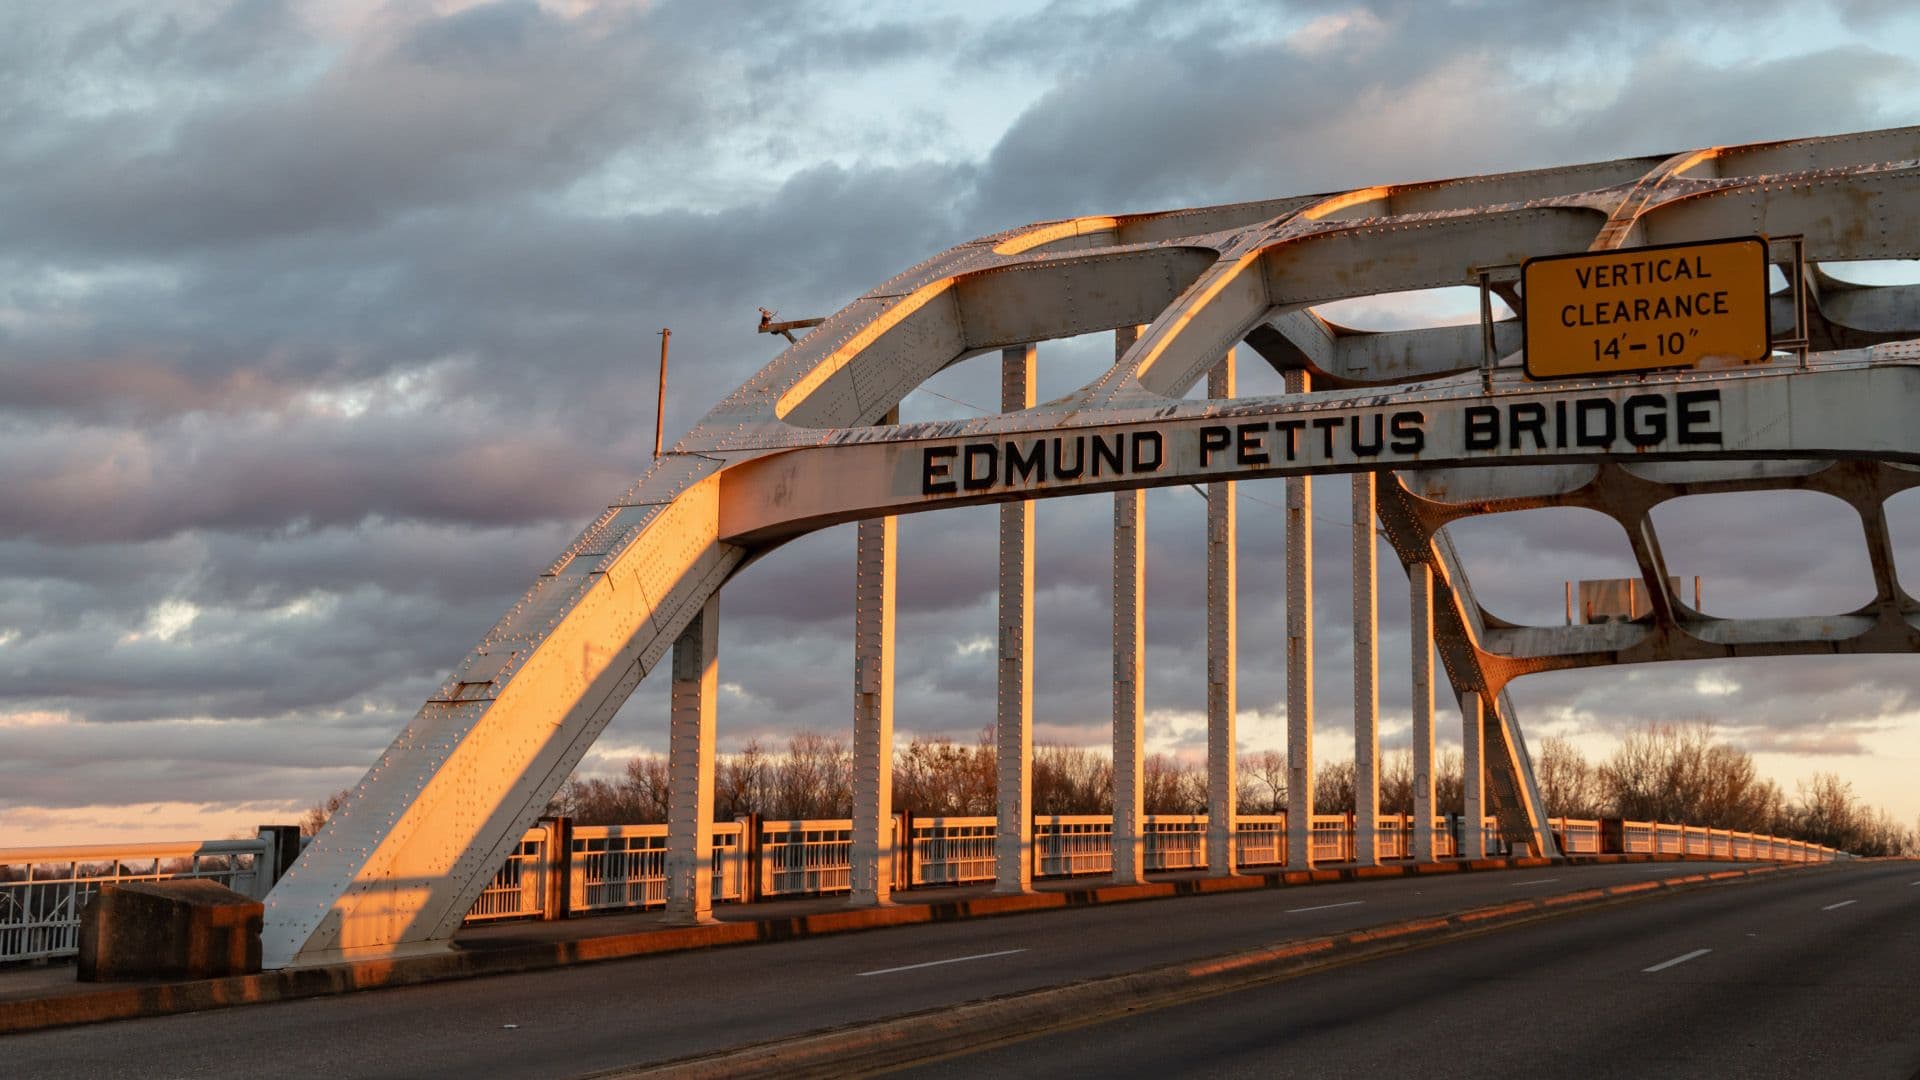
(802, 445)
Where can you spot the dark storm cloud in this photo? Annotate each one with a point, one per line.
(424, 112)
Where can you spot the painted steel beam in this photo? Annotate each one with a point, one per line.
(1366, 675)
(1013, 709)
(1129, 671)
(1300, 775)
(690, 768)
(1420, 670)
(875, 590)
(1223, 642)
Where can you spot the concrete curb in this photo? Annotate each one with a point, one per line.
(861, 1049)
(96, 1005)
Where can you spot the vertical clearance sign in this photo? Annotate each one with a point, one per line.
(1673, 305)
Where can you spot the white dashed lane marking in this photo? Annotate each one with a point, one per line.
(937, 963)
(1681, 959)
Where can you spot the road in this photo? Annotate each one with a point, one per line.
(606, 1016)
(1802, 976)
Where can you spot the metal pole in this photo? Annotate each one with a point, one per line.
(660, 402)
(875, 564)
(1299, 538)
(1420, 633)
(1366, 674)
(1473, 757)
(1222, 638)
(1129, 660)
(1013, 708)
(690, 768)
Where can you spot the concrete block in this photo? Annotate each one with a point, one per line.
(186, 929)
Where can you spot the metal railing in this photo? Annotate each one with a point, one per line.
(44, 890)
(623, 867)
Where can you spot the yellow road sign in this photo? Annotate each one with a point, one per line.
(1673, 305)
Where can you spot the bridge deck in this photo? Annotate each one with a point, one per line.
(40, 997)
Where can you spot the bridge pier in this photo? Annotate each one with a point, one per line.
(1366, 676)
(1223, 635)
(690, 768)
(1299, 658)
(1420, 588)
(1013, 711)
(873, 638)
(1129, 658)
(1473, 774)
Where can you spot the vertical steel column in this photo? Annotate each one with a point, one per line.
(1129, 661)
(1013, 714)
(1223, 637)
(1366, 676)
(1299, 658)
(1473, 775)
(1420, 588)
(690, 768)
(873, 632)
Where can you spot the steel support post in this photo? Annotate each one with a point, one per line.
(1299, 658)
(1129, 662)
(1420, 589)
(1129, 657)
(873, 632)
(1222, 645)
(690, 768)
(1013, 713)
(1366, 676)
(1473, 775)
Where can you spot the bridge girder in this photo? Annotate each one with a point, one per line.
(800, 446)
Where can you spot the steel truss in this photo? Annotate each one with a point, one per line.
(807, 443)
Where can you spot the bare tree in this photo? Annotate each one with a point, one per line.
(743, 783)
(1449, 784)
(1171, 786)
(1569, 785)
(1396, 782)
(319, 812)
(938, 778)
(1071, 780)
(815, 780)
(1333, 787)
(1263, 783)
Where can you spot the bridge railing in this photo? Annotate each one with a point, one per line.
(559, 870)
(624, 867)
(44, 890)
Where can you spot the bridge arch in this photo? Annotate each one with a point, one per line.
(1429, 430)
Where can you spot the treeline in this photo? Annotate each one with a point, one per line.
(813, 778)
(1665, 772)
(1681, 773)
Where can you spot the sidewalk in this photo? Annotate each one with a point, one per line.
(49, 996)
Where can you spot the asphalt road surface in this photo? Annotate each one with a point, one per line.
(1553, 982)
(1814, 975)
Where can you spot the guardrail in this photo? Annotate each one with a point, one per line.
(623, 867)
(44, 890)
(559, 869)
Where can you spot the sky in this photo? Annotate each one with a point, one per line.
(324, 327)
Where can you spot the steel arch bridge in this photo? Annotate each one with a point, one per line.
(813, 440)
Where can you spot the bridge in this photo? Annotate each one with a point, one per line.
(1433, 425)
(811, 441)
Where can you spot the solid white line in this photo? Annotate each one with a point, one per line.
(1842, 903)
(937, 963)
(1322, 907)
(1542, 881)
(1681, 959)
(1911, 883)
